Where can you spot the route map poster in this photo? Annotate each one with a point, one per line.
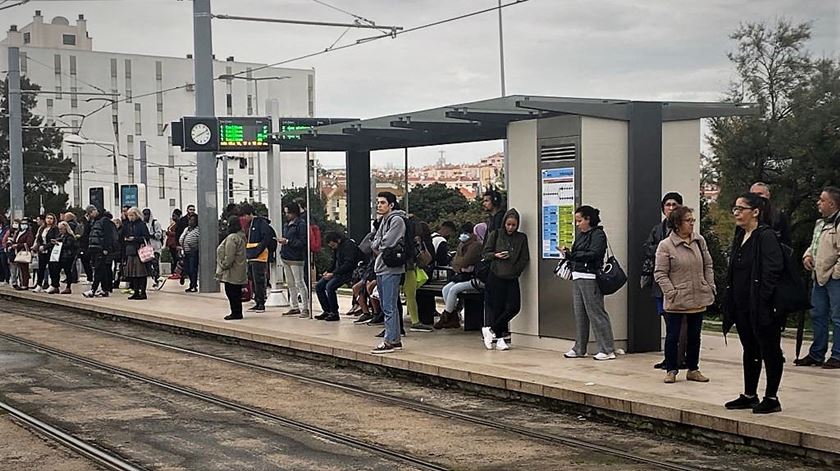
(558, 210)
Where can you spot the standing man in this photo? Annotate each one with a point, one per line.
(492, 204)
(184, 221)
(823, 259)
(293, 258)
(346, 255)
(84, 240)
(386, 246)
(156, 241)
(778, 221)
(260, 241)
(102, 246)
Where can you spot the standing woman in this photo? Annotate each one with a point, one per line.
(587, 257)
(9, 251)
(755, 268)
(66, 260)
(135, 234)
(232, 267)
(507, 251)
(5, 232)
(43, 242)
(189, 242)
(684, 272)
(23, 242)
(293, 255)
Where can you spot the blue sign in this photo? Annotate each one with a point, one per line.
(129, 195)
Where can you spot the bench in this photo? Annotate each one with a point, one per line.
(473, 304)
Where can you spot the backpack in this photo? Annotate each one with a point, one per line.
(314, 238)
(405, 251)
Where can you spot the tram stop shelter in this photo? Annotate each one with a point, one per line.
(617, 155)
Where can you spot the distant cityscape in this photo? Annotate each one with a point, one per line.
(470, 179)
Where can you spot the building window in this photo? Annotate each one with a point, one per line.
(171, 202)
(138, 125)
(230, 189)
(229, 102)
(77, 185)
(250, 105)
(115, 122)
(128, 80)
(250, 165)
(57, 68)
(171, 151)
(115, 103)
(158, 70)
(50, 107)
(68, 39)
(161, 182)
(311, 91)
(74, 99)
(113, 69)
(72, 65)
(76, 126)
(27, 38)
(23, 62)
(250, 188)
(129, 140)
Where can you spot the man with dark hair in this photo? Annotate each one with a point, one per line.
(492, 203)
(778, 221)
(440, 242)
(823, 259)
(260, 242)
(346, 256)
(184, 221)
(388, 239)
(102, 246)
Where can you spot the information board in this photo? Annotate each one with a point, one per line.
(294, 128)
(244, 134)
(558, 210)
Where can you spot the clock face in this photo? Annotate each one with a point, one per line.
(200, 134)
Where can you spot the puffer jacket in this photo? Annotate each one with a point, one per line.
(684, 272)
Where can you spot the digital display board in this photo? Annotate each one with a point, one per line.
(293, 128)
(244, 134)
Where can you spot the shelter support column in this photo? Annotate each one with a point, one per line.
(644, 184)
(358, 194)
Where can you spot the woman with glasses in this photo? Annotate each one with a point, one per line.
(755, 268)
(684, 272)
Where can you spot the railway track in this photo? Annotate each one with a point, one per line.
(552, 438)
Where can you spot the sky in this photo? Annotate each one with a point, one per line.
(644, 49)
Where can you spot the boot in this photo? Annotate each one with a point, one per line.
(448, 320)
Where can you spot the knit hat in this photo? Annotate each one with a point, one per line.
(671, 195)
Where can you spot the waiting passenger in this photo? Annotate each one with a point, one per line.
(66, 259)
(386, 246)
(424, 260)
(135, 234)
(755, 268)
(189, 242)
(346, 255)
(507, 251)
(293, 257)
(685, 274)
(492, 204)
(587, 257)
(467, 255)
(232, 267)
(47, 232)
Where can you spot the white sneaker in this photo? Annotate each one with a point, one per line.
(488, 337)
(52, 290)
(38, 289)
(88, 294)
(502, 345)
(603, 356)
(573, 354)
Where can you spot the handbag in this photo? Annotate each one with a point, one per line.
(247, 292)
(563, 270)
(790, 294)
(55, 255)
(611, 276)
(146, 253)
(24, 256)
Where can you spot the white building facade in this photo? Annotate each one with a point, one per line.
(148, 92)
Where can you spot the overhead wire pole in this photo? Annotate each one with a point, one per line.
(504, 93)
(206, 193)
(16, 195)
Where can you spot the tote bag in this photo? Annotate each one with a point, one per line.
(146, 253)
(611, 276)
(55, 255)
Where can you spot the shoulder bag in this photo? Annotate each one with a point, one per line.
(611, 276)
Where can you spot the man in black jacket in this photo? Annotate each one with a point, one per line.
(260, 243)
(84, 254)
(102, 243)
(346, 255)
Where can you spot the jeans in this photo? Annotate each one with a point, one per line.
(326, 290)
(388, 286)
(234, 296)
(296, 281)
(257, 273)
(826, 301)
(191, 259)
(504, 303)
(673, 327)
(764, 344)
(410, 290)
(451, 292)
(589, 308)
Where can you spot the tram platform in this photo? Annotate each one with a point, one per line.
(627, 387)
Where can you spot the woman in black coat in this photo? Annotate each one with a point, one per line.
(755, 268)
(135, 234)
(67, 258)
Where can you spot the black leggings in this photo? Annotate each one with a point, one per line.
(762, 344)
(503, 301)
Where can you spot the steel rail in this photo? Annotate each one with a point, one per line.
(80, 447)
(192, 393)
(386, 398)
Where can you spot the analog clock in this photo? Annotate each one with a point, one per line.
(200, 134)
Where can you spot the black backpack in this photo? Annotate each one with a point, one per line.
(405, 251)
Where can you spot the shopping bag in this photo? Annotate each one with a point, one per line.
(146, 253)
(421, 276)
(563, 270)
(55, 255)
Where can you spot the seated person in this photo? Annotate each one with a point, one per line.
(463, 265)
(346, 256)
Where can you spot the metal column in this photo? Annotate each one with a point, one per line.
(644, 183)
(358, 194)
(17, 196)
(206, 194)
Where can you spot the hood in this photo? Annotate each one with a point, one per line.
(393, 214)
(511, 213)
(480, 231)
(151, 213)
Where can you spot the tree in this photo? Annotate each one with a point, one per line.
(430, 203)
(45, 169)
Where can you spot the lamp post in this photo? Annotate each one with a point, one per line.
(75, 139)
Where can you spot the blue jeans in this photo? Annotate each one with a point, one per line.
(326, 290)
(826, 301)
(192, 267)
(673, 325)
(388, 286)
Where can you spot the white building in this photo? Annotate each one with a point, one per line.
(151, 92)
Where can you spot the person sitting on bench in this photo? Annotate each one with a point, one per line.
(463, 264)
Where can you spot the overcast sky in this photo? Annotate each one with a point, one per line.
(644, 49)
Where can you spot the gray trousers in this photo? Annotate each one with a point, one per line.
(589, 309)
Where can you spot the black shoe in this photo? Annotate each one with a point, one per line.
(323, 316)
(231, 317)
(807, 361)
(768, 406)
(364, 319)
(743, 402)
(831, 364)
(142, 296)
(659, 366)
(257, 308)
(182, 281)
(332, 318)
(378, 319)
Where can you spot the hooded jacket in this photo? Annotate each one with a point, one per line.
(297, 235)
(345, 258)
(391, 232)
(260, 240)
(155, 231)
(515, 244)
